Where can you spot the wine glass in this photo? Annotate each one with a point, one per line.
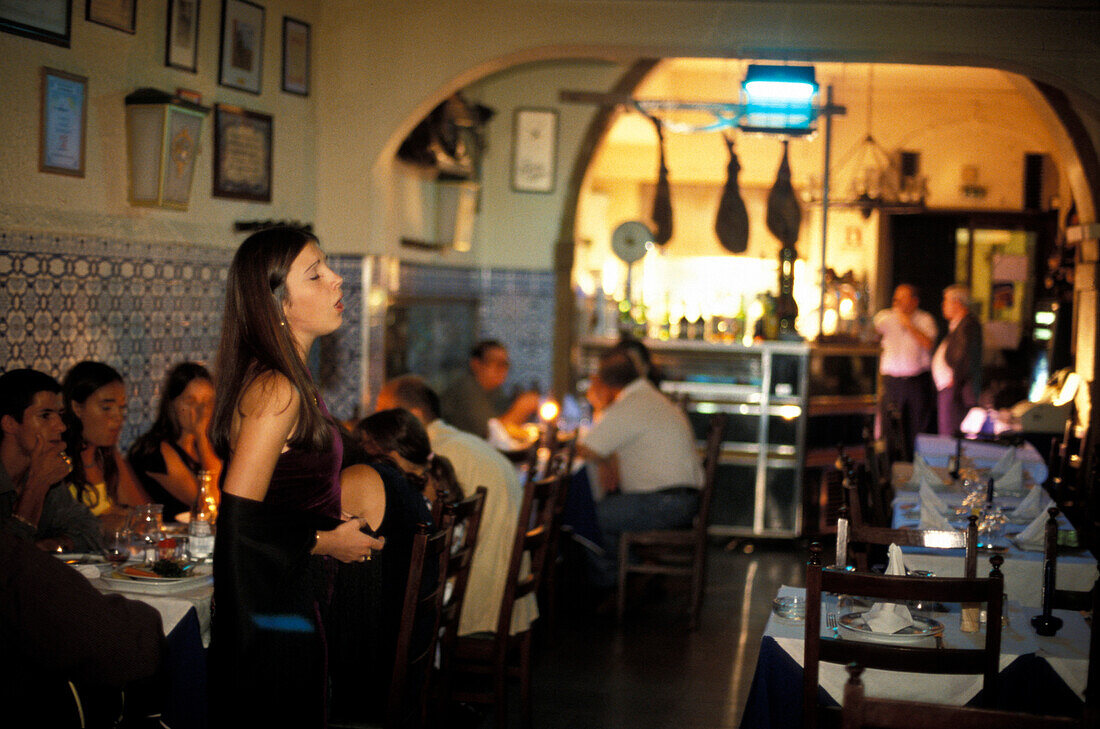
(117, 548)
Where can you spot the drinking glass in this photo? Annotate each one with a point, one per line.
(117, 548)
(147, 528)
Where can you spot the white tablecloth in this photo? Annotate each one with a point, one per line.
(938, 449)
(1066, 652)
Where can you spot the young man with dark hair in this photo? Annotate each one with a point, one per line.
(34, 503)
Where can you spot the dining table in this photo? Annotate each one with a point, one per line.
(1045, 675)
(185, 611)
(1023, 566)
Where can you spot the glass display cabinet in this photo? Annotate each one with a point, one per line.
(790, 406)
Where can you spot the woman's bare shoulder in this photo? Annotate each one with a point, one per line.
(269, 394)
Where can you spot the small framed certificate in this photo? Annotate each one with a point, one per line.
(64, 120)
(534, 150)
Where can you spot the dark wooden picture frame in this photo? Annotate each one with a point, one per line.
(241, 58)
(117, 14)
(242, 153)
(51, 20)
(62, 136)
(297, 37)
(181, 40)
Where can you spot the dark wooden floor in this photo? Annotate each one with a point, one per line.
(650, 672)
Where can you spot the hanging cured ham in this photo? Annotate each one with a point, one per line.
(784, 214)
(732, 224)
(662, 200)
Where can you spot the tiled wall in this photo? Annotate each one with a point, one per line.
(141, 307)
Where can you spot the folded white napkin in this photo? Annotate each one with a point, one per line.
(1000, 468)
(928, 498)
(1034, 534)
(889, 617)
(499, 437)
(923, 473)
(1012, 481)
(930, 518)
(1036, 502)
(88, 570)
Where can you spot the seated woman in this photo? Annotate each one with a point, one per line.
(169, 456)
(95, 408)
(365, 612)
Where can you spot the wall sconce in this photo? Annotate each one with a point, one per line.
(778, 99)
(162, 141)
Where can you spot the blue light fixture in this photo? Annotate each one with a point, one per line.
(778, 99)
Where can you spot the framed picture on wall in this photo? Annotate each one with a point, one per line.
(242, 153)
(182, 41)
(295, 56)
(117, 14)
(44, 20)
(63, 122)
(242, 45)
(534, 150)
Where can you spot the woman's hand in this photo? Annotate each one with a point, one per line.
(346, 543)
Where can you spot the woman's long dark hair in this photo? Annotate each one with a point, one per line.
(255, 341)
(400, 431)
(83, 379)
(166, 428)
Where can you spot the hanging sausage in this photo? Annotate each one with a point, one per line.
(732, 223)
(784, 214)
(662, 200)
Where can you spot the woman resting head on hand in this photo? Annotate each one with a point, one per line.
(170, 455)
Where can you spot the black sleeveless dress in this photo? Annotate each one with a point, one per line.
(267, 652)
(154, 463)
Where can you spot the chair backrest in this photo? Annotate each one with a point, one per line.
(419, 629)
(849, 533)
(466, 515)
(860, 711)
(530, 548)
(983, 661)
(712, 453)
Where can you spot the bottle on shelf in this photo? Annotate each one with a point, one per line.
(200, 530)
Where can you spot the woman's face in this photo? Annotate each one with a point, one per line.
(102, 414)
(195, 403)
(314, 303)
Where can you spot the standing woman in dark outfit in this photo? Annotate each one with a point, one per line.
(281, 494)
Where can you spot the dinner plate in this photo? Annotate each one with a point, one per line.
(79, 557)
(920, 629)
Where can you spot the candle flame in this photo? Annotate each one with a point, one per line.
(548, 411)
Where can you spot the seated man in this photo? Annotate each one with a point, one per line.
(472, 400)
(56, 627)
(476, 463)
(35, 504)
(644, 451)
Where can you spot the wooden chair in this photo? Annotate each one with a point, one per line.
(679, 552)
(983, 661)
(418, 632)
(861, 712)
(560, 466)
(500, 655)
(467, 525)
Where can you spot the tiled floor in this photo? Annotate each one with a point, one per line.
(650, 672)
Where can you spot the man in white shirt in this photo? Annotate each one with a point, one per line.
(907, 335)
(644, 450)
(476, 463)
